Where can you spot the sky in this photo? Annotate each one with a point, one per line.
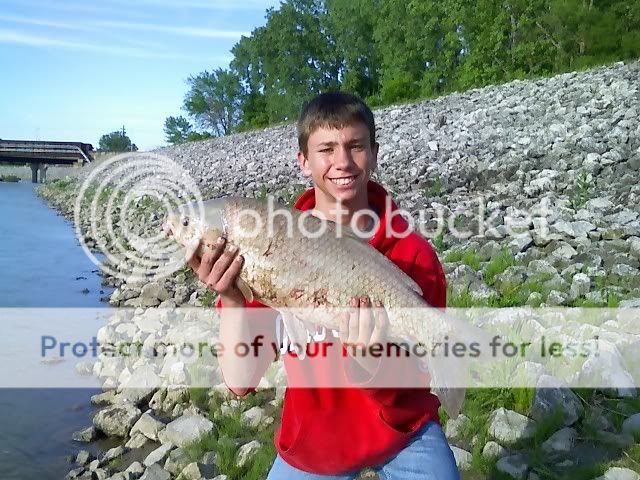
(73, 70)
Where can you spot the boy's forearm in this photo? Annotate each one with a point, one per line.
(244, 347)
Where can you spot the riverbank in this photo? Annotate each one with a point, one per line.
(556, 172)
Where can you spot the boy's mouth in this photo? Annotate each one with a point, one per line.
(344, 180)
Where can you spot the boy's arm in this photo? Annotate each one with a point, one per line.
(428, 273)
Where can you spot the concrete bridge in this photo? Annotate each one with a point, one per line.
(42, 154)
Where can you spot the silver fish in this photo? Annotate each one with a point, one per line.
(284, 268)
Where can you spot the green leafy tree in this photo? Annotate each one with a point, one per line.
(177, 130)
(117, 141)
(214, 101)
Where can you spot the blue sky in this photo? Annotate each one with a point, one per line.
(73, 70)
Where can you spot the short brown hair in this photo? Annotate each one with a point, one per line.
(333, 110)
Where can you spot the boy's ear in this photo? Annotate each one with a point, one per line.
(303, 164)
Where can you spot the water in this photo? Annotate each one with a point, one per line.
(41, 265)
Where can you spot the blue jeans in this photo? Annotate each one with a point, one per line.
(426, 457)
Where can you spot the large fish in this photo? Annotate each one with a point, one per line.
(287, 268)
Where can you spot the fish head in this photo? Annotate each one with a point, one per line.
(190, 223)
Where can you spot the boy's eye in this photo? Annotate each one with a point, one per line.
(324, 150)
(358, 147)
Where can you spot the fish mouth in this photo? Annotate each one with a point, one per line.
(344, 181)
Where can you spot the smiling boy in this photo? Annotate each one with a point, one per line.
(333, 433)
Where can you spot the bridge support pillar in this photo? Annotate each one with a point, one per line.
(34, 172)
(43, 172)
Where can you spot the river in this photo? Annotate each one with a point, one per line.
(41, 265)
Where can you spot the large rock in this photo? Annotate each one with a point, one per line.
(148, 425)
(513, 465)
(246, 451)
(158, 455)
(508, 427)
(561, 441)
(117, 420)
(553, 394)
(463, 458)
(618, 473)
(187, 429)
(155, 472)
(631, 425)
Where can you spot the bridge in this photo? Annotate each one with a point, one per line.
(42, 154)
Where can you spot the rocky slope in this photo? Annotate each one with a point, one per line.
(553, 162)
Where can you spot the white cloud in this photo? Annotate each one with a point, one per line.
(188, 31)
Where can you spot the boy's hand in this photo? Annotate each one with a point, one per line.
(218, 269)
(364, 326)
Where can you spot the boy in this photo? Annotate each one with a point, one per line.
(333, 433)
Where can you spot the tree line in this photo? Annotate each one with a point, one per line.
(389, 51)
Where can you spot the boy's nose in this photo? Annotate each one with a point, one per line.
(342, 157)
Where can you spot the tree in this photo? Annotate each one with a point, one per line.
(177, 129)
(214, 100)
(117, 141)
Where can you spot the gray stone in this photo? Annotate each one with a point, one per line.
(493, 450)
(196, 471)
(513, 465)
(455, 428)
(561, 441)
(619, 473)
(176, 461)
(137, 440)
(148, 425)
(89, 434)
(158, 455)
(553, 394)
(462, 457)
(580, 286)
(254, 416)
(113, 453)
(155, 472)
(117, 420)
(135, 470)
(187, 429)
(246, 451)
(631, 425)
(83, 457)
(507, 426)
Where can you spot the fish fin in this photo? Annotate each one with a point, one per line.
(445, 384)
(191, 249)
(244, 287)
(297, 332)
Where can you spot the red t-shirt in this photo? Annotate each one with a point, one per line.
(331, 431)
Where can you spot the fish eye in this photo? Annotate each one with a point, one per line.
(185, 222)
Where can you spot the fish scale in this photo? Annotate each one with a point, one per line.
(297, 271)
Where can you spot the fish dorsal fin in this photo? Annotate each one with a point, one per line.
(297, 333)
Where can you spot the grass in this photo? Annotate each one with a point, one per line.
(434, 190)
(467, 257)
(208, 298)
(9, 178)
(497, 265)
(582, 191)
(229, 434)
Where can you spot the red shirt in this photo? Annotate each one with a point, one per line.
(337, 430)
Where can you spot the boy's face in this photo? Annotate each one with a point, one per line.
(340, 161)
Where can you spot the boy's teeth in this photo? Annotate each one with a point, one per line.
(343, 181)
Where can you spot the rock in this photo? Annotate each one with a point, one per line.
(619, 473)
(135, 470)
(526, 374)
(556, 298)
(511, 278)
(507, 426)
(455, 428)
(113, 453)
(246, 451)
(254, 416)
(154, 472)
(608, 370)
(148, 425)
(187, 429)
(153, 293)
(617, 440)
(196, 471)
(553, 394)
(176, 461)
(158, 455)
(117, 420)
(561, 441)
(493, 450)
(83, 457)
(137, 440)
(104, 398)
(89, 434)
(580, 286)
(463, 458)
(513, 465)
(631, 425)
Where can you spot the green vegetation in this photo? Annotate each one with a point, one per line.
(467, 257)
(179, 130)
(9, 178)
(497, 265)
(208, 298)
(117, 141)
(393, 51)
(434, 190)
(582, 191)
